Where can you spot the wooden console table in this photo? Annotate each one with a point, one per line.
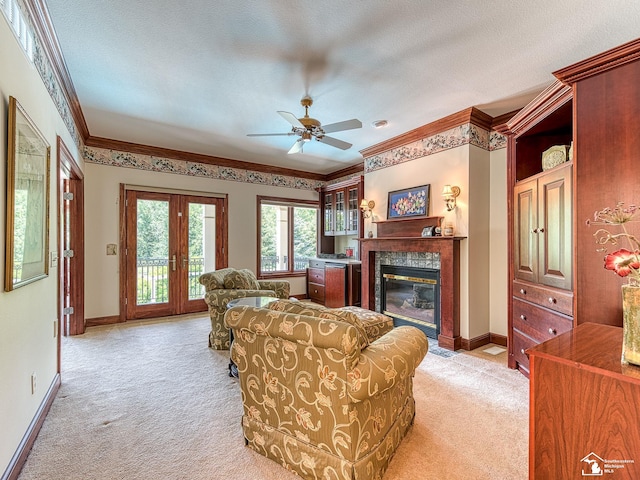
(585, 407)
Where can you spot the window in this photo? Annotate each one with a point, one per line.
(287, 235)
(20, 28)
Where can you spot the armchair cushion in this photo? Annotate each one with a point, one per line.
(241, 279)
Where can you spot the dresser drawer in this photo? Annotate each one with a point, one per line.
(553, 298)
(520, 345)
(539, 323)
(316, 264)
(316, 275)
(316, 292)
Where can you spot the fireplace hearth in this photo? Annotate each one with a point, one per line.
(412, 297)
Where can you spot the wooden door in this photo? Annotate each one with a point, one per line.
(554, 229)
(525, 240)
(171, 240)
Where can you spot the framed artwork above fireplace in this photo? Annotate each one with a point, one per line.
(410, 202)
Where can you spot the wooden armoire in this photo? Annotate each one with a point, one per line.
(557, 279)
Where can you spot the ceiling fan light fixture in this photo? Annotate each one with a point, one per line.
(306, 136)
(380, 123)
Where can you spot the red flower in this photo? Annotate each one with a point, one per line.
(622, 262)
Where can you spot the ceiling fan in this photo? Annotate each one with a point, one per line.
(308, 128)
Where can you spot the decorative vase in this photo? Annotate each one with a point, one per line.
(631, 324)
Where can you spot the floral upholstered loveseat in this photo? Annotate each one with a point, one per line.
(324, 394)
(224, 285)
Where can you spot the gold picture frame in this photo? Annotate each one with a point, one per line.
(28, 184)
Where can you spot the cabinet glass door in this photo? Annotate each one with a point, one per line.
(352, 211)
(329, 228)
(340, 213)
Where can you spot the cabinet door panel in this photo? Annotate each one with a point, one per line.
(554, 251)
(525, 223)
(335, 285)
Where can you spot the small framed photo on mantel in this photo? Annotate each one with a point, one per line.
(408, 203)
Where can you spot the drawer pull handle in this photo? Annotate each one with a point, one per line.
(315, 291)
(552, 300)
(542, 230)
(553, 331)
(535, 230)
(523, 291)
(523, 317)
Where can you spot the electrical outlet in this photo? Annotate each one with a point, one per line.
(33, 383)
(54, 259)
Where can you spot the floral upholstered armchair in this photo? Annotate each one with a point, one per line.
(320, 396)
(222, 286)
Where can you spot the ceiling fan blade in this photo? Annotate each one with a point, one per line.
(268, 134)
(334, 142)
(346, 125)
(291, 118)
(297, 147)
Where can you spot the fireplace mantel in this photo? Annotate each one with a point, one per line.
(449, 250)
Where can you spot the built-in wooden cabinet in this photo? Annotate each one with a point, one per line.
(557, 276)
(542, 228)
(541, 221)
(334, 284)
(340, 203)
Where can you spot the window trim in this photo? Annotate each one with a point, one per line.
(288, 202)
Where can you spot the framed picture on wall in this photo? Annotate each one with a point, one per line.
(27, 201)
(410, 202)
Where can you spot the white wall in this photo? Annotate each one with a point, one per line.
(499, 261)
(27, 314)
(102, 184)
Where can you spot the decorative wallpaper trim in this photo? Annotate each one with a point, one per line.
(49, 78)
(452, 138)
(116, 158)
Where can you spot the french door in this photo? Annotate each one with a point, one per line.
(171, 239)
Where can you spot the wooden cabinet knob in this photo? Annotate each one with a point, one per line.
(535, 230)
(552, 300)
(523, 291)
(523, 317)
(553, 331)
(541, 230)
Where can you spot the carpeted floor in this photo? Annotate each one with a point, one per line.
(149, 400)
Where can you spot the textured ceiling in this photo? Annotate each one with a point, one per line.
(197, 75)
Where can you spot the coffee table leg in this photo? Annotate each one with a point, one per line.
(233, 368)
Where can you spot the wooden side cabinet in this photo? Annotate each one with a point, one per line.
(334, 284)
(585, 407)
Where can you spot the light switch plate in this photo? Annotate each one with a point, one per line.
(54, 259)
(112, 249)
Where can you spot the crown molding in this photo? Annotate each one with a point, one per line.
(47, 35)
(118, 145)
(549, 100)
(469, 115)
(345, 172)
(602, 62)
(499, 123)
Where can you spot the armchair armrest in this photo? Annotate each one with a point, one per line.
(386, 362)
(280, 287)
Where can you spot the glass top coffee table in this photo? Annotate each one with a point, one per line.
(257, 302)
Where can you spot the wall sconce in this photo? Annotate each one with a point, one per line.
(367, 207)
(450, 194)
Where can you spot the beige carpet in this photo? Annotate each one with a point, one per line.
(149, 400)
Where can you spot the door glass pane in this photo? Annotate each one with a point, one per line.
(305, 224)
(275, 238)
(202, 246)
(152, 252)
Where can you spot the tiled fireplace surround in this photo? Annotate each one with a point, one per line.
(402, 245)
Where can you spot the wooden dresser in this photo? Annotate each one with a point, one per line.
(585, 407)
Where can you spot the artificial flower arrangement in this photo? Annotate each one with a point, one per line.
(624, 261)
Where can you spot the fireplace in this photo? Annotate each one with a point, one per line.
(412, 297)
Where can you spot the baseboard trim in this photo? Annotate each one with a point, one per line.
(97, 321)
(498, 339)
(22, 452)
(483, 340)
